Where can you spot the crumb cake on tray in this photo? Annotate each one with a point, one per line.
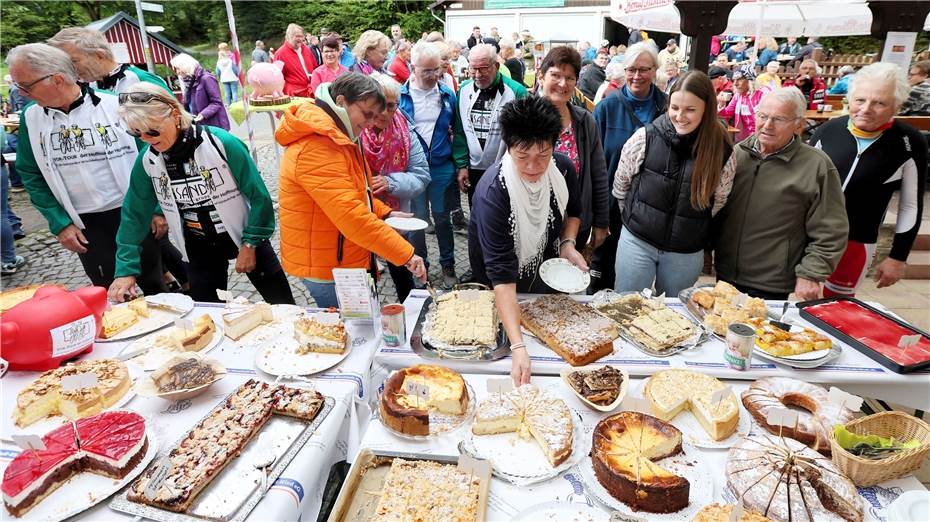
(575, 331)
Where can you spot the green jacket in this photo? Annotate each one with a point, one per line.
(785, 218)
(460, 151)
(141, 201)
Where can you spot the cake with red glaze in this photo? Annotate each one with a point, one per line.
(112, 444)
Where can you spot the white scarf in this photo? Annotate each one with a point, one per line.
(530, 210)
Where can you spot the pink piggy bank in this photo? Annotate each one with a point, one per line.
(266, 79)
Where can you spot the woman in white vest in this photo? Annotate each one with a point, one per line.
(211, 193)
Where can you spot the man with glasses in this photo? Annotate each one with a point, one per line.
(79, 192)
(477, 142)
(784, 226)
(918, 100)
(431, 105)
(618, 116)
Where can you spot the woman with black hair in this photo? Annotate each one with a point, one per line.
(525, 210)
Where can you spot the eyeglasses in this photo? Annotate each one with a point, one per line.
(556, 77)
(479, 70)
(642, 71)
(152, 133)
(432, 72)
(139, 97)
(26, 86)
(778, 121)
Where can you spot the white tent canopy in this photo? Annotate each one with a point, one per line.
(757, 17)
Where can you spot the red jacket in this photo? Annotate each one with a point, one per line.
(296, 80)
(818, 91)
(400, 70)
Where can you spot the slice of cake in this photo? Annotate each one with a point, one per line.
(139, 306)
(243, 319)
(406, 413)
(670, 392)
(115, 320)
(199, 337)
(316, 335)
(298, 403)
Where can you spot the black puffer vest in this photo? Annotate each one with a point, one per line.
(658, 206)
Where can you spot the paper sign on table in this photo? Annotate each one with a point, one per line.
(29, 442)
(906, 341)
(737, 512)
(740, 299)
(79, 381)
(473, 466)
(353, 291)
(184, 324)
(720, 394)
(417, 389)
(843, 399)
(782, 417)
(224, 295)
(159, 476)
(500, 385)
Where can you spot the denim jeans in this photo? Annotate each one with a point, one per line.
(323, 292)
(443, 191)
(232, 91)
(639, 263)
(7, 247)
(10, 146)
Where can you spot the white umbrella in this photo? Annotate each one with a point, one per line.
(757, 17)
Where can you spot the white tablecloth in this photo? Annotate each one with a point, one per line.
(298, 492)
(852, 371)
(505, 500)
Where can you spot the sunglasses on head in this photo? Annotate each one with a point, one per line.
(139, 97)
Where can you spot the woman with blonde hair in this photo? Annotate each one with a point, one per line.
(371, 51)
(769, 53)
(211, 193)
(674, 175)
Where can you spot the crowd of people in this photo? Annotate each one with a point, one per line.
(637, 191)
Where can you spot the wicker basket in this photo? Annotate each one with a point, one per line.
(901, 426)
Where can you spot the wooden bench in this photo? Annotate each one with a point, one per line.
(921, 123)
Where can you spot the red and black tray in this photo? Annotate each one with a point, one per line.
(869, 330)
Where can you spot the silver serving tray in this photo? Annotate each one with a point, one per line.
(697, 313)
(701, 334)
(428, 348)
(233, 494)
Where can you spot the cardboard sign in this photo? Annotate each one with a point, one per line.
(29, 442)
(636, 404)
(721, 394)
(500, 385)
(737, 512)
(473, 466)
(225, 296)
(740, 299)
(906, 341)
(328, 318)
(845, 400)
(417, 389)
(782, 417)
(183, 324)
(79, 381)
(159, 476)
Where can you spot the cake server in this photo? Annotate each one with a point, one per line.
(780, 322)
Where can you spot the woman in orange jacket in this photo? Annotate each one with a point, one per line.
(329, 218)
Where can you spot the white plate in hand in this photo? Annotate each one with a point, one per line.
(406, 224)
(561, 275)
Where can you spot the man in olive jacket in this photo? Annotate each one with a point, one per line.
(784, 227)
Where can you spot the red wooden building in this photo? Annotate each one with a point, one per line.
(122, 28)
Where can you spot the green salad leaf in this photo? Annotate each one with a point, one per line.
(870, 446)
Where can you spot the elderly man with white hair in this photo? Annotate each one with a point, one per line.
(75, 158)
(477, 144)
(432, 106)
(299, 62)
(784, 227)
(875, 156)
(93, 59)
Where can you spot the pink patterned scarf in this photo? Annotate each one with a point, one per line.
(388, 151)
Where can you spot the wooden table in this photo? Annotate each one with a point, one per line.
(10, 125)
(820, 117)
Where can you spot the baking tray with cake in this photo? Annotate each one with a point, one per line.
(143, 315)
(463, 325)
(527, 434)
(649, 325)
(249, 439)
(875, 333)
(392, 485)
(155, 349)
(642, 467)
(67, 477)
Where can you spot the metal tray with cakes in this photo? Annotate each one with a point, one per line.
(717, 306)
(648, 324)
(244, 478)
(419, 484)
(463, 324)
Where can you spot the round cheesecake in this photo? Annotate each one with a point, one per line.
(409, 414)
(624, 454)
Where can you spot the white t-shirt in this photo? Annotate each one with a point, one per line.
(225, 65)
(427, 106)
(80, 155)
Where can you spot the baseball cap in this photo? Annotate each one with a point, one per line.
(716, 72)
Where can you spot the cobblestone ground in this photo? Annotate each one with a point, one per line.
(48, 262)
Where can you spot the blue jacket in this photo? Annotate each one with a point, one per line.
(766, 56)
(841, 86)
(616, 123)
(439, 152)
(346, 57)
